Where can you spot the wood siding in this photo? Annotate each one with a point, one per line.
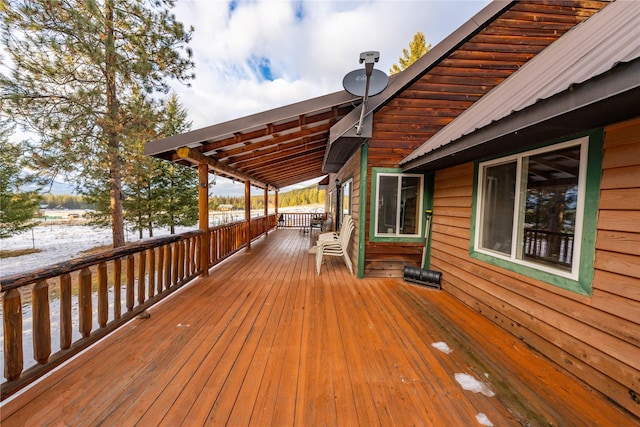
(351, 170)
(596, 338)
(449, 88)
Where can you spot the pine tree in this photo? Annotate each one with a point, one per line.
(73, 66)
(417, 48)
(139, 172)
(174, 187)
(18, 207)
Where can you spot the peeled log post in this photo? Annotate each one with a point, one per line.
(167, 266)
(12, 307)
(152, 273)
(117, 285)
(130, 281)
(191, 256)
(176, 262)
(142, 265)
(84, 302)
(181, 260)
(41, 322)
(159, 283)
(103, 295)
(66, 320)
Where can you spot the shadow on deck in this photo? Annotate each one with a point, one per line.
(265, 341)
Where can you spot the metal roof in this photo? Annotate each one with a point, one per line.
(592, 48)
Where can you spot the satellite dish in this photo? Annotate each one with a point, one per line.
(355, 82)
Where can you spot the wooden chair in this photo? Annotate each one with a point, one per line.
(337, 245)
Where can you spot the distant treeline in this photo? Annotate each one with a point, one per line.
(306, 196)
(63, 201)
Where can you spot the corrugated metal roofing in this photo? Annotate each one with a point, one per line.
(592, 48)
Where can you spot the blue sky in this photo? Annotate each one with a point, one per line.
(252, 56)
(256, 55)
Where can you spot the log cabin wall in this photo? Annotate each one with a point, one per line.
(597, 337)
(450, 87)
(351, 171)
(386, 259)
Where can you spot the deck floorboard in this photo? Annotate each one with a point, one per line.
(265, 341)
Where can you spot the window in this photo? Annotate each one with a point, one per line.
(530, 208)
(347, 188)
(398, 205)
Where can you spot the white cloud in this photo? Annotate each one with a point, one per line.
(309, 46)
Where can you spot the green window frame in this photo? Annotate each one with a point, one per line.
(397, 205)
(535, 212)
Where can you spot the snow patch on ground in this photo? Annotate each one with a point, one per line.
(59, 243)
(442, 346)
(484, 420)
(468, 382)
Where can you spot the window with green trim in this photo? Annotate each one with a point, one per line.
(398, 205)
(530, 208)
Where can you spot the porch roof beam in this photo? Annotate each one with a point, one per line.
(195, 157)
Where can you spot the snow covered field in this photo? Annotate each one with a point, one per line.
(63, 242)
(58, 243)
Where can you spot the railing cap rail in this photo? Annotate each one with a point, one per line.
(20, 279)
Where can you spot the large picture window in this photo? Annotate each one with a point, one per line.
(398, 205)
(530, 207)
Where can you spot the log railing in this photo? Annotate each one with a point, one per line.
(549, 246)
(299, 219)
(146, 272)
(227, 239)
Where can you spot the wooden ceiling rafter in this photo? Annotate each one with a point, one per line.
(293, 175)
(278, 161)
(224, 155)
(197, 158)
(267, 153)
(270, 129)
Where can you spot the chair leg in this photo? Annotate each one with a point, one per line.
(319, 259)
(347, 261)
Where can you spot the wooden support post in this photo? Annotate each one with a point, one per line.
(66, 319)
(152, 273)
(130, 282)
(266, 211)
(160, 282)
(203, 218)
(84, 302)
(167, 266)
(142, 264)
(117, 286)
(103, 295)
(247, 210)
(13, 356)
(41, 322)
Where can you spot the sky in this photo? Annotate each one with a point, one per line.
(252, 56)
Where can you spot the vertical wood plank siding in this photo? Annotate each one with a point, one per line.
(595, 338)
(351, 170)
(450, 87)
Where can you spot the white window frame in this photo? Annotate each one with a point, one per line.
(518, 213)
(419, 206)
(346, 210)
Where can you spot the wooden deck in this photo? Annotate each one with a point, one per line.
(265, 341)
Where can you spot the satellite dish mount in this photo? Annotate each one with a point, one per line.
(375, 81)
